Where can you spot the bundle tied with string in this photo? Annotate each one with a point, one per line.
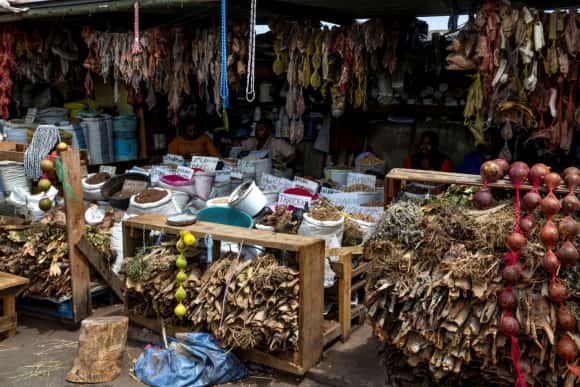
(43, 142)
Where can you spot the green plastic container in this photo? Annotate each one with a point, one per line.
(225, 215)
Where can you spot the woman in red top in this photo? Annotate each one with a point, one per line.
(428, 157)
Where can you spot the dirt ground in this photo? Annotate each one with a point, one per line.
(42, 353)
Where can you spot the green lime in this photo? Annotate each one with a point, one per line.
(180, 294)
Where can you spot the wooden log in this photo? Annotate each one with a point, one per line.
(75, 228)
(344, 296)
(101, 346)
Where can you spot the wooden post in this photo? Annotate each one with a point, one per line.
(344, 296)
(75, 229)
(142, 133)
(311, 261)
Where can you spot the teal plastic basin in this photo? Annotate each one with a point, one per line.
(225, 215)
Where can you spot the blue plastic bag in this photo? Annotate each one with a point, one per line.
(194, 359)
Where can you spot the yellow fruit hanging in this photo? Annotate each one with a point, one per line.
(180, 310)
(188, 239)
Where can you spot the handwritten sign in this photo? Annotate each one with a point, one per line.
(30, 115)
(275, 183)
(308, 185)
(345, 199)
(133, 186)
(328, 191)
(208, 164)
(258, 154)
(375, 212)
(108, 169)
(158, 171)
(236, 174)
(223, 175)
(173, 159)
(360, 178)
(185, 172)
(297, 201)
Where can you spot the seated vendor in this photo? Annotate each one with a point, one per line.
(194, 141)
(281, 152)
(428, 157)
(488, 150)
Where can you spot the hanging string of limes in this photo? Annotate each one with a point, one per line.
(186, 239)
(49, 167)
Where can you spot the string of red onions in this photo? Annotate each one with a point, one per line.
(508, 300)
(490, 171)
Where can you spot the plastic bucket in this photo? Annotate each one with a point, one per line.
(125, 126)
(126, 149)
(227, 216)
(248, 198)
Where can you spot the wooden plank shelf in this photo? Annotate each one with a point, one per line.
(398, 176)
(310, 253)
(10, 287)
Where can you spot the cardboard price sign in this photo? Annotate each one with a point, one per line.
(133, 186)
(173, 159)
(208, 164)
(294, 200)
(275, 183)
(108, 169)
(344, 199)
(324, 191)
(308, 185)
(157, 172)
(185, 172)
(361, 178)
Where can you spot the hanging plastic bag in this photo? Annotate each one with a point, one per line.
(195, 359)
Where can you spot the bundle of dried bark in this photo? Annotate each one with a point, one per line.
(434, 301)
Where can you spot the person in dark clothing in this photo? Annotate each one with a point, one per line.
(489, 150)
(428, 156)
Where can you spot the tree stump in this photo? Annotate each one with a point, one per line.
(101, 346)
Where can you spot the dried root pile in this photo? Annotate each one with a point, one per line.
(281, 220)
(432, 293)
(261, 303)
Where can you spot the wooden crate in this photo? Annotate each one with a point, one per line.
(10, 287)
(311, 266)
(397, 177)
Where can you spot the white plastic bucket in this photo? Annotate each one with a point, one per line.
(248, 198)
(203, 183)
(92, 192)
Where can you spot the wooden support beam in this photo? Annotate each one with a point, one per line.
(344, 296)
(98, 262)
(75, 229)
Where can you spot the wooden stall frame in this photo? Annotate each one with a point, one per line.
(397, 177)
(311, 265)
(10, 287)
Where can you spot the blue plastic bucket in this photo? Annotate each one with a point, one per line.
(225, 215)
(125, 126)
(126, 149)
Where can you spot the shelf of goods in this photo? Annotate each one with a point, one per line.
(397, 177)
(310, 257)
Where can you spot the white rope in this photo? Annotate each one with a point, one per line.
(250, 83)
(43, 141)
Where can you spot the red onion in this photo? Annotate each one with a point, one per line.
(567, 349)
(568, 228)
(568, 254)
(505, 166)
(550, 262)
(550, 205)
(483, 198)
(566, 320)
(572, 181)
(552, 181)
(571, 171)
(570, 204)
(508, 325)
(507, 299)
(527, 224)
(532, 200)
(491, 171)
(511, 273)
(549, 234)
(557, 291)
(537, 173)
(518, 172)
(516, 241)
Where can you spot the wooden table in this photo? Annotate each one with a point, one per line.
(397, 177)
(10, 287)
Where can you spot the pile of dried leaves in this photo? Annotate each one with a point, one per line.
(432, 292)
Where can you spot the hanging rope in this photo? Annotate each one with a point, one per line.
(43, 141)
(224, 91)
(250, 84)
(136, 43)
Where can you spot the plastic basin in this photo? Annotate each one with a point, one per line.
(227, 216)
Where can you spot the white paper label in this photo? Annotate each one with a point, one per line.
(328, 191)
(360, 178)
(270, 183)
(237, 174)
(173, 159)
(158, 171)
(30, 115)
(224, 175)
(108, 169)
(297, 201)
(344, 199)
(308, 185)
(185, 172)
(247, 167)
(208, 164)
(258, 154)
(375, 212)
